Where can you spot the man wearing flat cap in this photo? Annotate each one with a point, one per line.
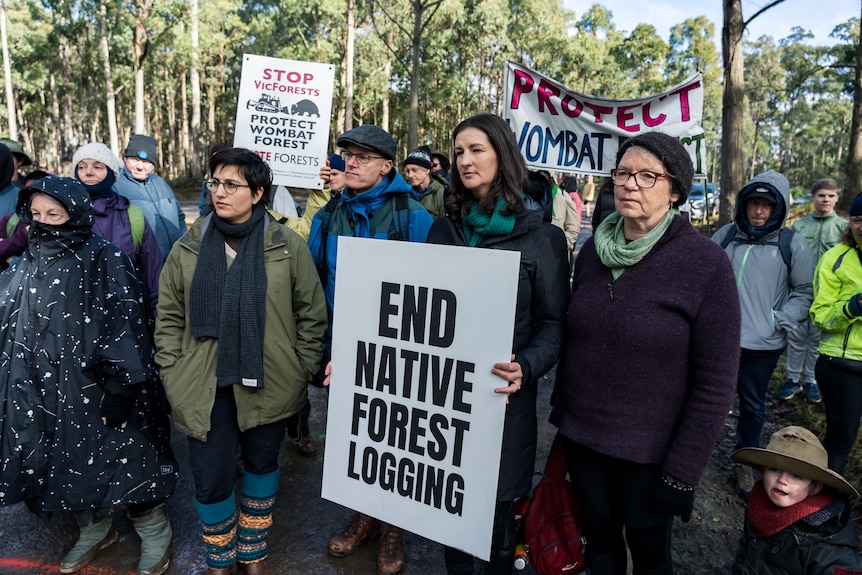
(773, 268)
(372, 188)
(152, 194)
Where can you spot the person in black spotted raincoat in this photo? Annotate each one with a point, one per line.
(83, 421)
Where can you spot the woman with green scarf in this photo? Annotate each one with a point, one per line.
(648, 372)
(493, 205)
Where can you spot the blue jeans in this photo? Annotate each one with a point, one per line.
(752, 383)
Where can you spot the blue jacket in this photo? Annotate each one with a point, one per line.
(8, 199)
(161, 208)
(353, 217)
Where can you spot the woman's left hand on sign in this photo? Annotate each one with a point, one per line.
(327, 374)
(512, 373)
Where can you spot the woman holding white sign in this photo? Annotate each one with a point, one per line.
(493, 205)
(649, 369)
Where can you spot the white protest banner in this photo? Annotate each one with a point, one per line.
(414, 428)
(562, 130)
(282, 114)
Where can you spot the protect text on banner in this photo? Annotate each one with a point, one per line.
(562, 130)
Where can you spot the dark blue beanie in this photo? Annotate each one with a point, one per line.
(336, 162)
(856, 206)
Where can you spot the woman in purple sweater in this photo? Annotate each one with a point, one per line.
(648, 372)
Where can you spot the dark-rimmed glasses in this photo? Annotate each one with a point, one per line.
(644, 179)
(229, 186)
(361, 158)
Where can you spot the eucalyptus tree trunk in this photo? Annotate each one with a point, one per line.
(416, 44)
(854, 155)
(349, 55)
(212, 92)
(55, 114)
(194, 153)
(732, 169)
(141, 45)
(7, 75)
(387, 73)
(110, 99)
(184, 155)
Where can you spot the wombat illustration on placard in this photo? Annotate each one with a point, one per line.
(304, 108)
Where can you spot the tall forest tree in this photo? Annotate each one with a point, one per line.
(853, 181)
(7, 74)
(732, 146)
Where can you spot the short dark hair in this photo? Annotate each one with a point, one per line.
(252, 167)
(511, 177)
(825, 184)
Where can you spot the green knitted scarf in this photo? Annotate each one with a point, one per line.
(618, 255)
(478, 223)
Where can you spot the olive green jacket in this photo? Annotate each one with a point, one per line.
(821, 233)
(293, 339)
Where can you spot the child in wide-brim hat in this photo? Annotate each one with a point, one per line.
(798, 518)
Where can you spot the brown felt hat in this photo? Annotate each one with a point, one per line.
(795, 450)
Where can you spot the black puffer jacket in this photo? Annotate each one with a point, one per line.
(543, 296)
(802, 548)
(75, 341)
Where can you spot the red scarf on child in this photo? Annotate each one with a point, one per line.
(768, 519)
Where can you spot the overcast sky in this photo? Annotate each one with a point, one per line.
(776, 22)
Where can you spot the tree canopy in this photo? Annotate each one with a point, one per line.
(419, 67)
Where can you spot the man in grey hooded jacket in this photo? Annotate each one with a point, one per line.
(773, 269)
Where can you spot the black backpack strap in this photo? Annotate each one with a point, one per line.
(728, 237)
(400, 218)
(785, 237)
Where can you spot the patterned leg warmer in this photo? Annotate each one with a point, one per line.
(218, 524)
(255, 515)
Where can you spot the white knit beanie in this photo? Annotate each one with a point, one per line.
(100, 153)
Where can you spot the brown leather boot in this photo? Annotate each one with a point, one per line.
(306, 446)
(360, 528)
(390, 559)
(226, 571)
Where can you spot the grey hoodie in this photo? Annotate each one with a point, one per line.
(774, 298)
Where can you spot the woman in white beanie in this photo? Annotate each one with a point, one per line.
(97, 168)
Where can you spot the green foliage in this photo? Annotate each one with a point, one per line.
(798, 102)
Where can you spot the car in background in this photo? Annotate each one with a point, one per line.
(698, 198)
(802, 200)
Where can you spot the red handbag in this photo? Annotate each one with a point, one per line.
(550, 522)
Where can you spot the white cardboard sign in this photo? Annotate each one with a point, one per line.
(414, 427)
(283, 113)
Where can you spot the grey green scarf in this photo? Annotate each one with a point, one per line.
(618, 255)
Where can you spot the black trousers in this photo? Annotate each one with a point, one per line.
(842, 402)
(616, 495)
(503, 541)
(213, 461)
